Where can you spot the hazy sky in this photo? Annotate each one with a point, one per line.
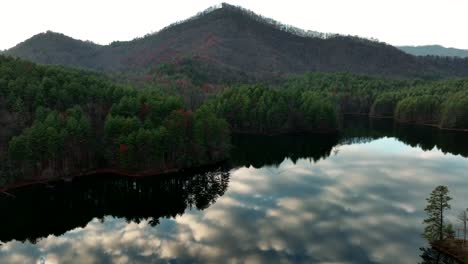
(398, 22)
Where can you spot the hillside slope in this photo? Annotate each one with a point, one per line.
(232, 39)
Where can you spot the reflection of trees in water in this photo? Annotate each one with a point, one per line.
(431, 256)
(59, 207)
(56, 208)
(260, 151)
(363, 130)
(428, 138)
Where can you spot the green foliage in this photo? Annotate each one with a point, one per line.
(439, 103)
(438, 202)
(71, 121)
(55, 139)
(455, 111)
(76, 121)
(259, 109)
(211, 133)
(418, 109)
(384, 105)
(317, 102)
(319, 111)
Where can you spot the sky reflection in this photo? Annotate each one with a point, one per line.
(363, 204)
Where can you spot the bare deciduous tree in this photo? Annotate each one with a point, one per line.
(463, 217)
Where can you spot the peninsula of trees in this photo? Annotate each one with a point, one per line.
(59, 122)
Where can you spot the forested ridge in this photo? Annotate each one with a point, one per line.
(63, 122)
(434, 50)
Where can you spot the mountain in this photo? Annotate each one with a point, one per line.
(434, 50)
(230, 41)
(56, 48)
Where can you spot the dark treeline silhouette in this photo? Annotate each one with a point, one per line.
(58, 207)
(232, 39)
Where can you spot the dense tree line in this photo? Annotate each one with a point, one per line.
(65, 122)
(259, 109)
(441, 103)
(318, 101)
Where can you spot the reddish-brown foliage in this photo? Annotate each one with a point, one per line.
(181, 123)
(123, 148)
(144, 109)
(207, 87)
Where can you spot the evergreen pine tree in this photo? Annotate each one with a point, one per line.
(437, 204)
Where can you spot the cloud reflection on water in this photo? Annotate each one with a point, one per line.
(363, 205)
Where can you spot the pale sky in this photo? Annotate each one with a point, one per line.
(397, 22)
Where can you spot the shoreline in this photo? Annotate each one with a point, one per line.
(114, 172)
(4, 190)
(450, 248)
(298, 132)
(408, 123)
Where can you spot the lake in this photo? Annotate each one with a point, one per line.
(357, 197)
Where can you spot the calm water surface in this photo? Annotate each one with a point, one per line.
(354, 198)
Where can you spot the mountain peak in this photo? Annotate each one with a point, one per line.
(56, 48)
(55, 38)
(235, 39)
(48, 35)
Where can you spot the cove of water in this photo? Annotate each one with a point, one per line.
(357, 197)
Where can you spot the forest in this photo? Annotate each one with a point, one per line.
(62, 122)
(317, 102)
(261, 110)
(440, 103)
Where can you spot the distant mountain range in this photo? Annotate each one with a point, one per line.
(434, 50)
(229, 41)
